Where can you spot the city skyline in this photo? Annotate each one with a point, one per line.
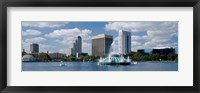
(60, 36)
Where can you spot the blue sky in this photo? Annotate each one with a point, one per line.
(59, 36)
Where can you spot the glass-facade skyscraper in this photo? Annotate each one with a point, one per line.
(77, 46)
(34, 48)
(124, 42)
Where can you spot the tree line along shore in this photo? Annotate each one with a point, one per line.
(134, 56)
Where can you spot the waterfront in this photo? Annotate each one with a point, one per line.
(93, 66)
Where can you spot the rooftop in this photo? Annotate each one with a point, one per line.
(102, 36)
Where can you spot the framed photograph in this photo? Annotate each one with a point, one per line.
(106, 46)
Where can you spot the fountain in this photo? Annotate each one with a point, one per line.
(114, 58)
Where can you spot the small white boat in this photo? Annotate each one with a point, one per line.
(134, 62)
(62, 64)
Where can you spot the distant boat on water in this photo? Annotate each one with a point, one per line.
(62, 64)
(134, 62)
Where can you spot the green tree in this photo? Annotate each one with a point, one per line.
(69, 58)
(163, 57)
(176, 59)
(43, 57)
(144, 57)
(137, 56)
(130, 54)
(86, 58)
(155, 57)
(171, 57)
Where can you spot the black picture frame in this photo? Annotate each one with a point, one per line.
(101, 3)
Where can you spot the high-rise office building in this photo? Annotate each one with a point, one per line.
(34, 48)
(164, 51)
(124, 42)
(141, 51)
(77, 46)
(101, 44)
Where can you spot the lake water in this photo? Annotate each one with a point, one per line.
(93, 66)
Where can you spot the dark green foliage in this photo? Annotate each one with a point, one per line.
(82, 58)
(43, 57)
(171, 56)
(135, 56)
(69, 58)
(155, 57)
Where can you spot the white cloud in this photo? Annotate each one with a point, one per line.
(42, 47)
(135, 43)
(136, 38)
(70, 33)
(128, 26)
(142, 26)
(45, 47)
(87, 48)
(43, 24)
(67, 37)
(66, 51)
(31, 32)
(158, 34)
(26, 46)
(35, 40)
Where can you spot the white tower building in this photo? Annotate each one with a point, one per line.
(124, 42)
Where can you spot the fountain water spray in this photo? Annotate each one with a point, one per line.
(114, 58)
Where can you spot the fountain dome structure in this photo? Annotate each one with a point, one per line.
(28, 58)
(115, 59)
